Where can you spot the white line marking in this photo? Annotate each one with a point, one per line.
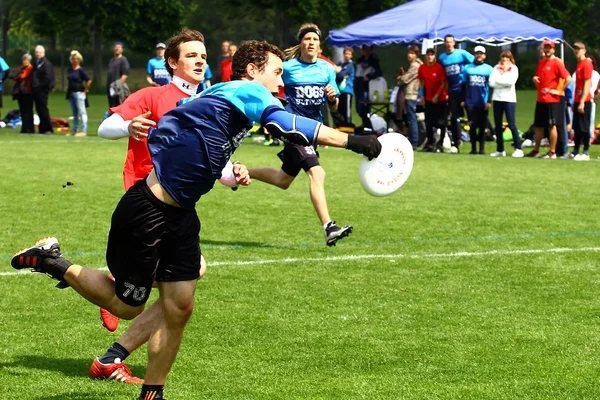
(379, 256)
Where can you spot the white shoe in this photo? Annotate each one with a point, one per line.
(528, 143)
(498, 154)
(453, 150)
(582, 157)
(568, 156)
(518, 153)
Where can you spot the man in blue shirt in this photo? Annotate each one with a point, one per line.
(155, 229)
(156, 72)
(454, 61)
(477, 98)
(4, 68)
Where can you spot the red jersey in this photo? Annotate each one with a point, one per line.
(322, 57)
(550, 72)
(226, 70)
(159, 100)
(583, 72)
(433, 77)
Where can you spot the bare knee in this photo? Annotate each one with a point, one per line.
(178, 309)
(317, 174)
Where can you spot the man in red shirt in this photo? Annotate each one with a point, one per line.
(582, 106)
(434, 82)
(549, 109)
(226, 64)
(185, 58)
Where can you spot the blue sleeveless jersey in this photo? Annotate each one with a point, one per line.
(477, 78)
(454, 64)
(194, 141)
(157, 70)
(305, 86)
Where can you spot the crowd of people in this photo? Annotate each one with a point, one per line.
(457, 81)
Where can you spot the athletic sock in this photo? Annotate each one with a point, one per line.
(151, 392)
(114, 352)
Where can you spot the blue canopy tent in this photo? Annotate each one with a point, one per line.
(428, 21)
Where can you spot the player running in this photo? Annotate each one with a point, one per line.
(155, 229)
(308, 82)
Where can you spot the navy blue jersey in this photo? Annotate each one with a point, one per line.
(194, 141)
(305, 86)
(477, 77)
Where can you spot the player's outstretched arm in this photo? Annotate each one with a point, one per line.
(307, 132)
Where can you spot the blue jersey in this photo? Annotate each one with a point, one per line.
(158, 72)
(477, 77)
(3, 67)
(347, 70)
(454, 64)
(305, 86)
(207, 76)
(194, 141)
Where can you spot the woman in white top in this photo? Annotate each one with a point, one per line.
(503, 80)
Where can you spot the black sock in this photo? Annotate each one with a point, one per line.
(56, 267)
(115, 351)
(154, 392)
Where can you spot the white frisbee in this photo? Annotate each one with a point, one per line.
(387, 173)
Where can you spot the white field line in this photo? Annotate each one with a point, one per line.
(382, 256)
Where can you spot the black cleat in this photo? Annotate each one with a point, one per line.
(45, 257)
(333, 233)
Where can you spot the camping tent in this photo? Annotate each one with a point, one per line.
(466, 20)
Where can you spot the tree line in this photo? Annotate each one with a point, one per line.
(95, 24)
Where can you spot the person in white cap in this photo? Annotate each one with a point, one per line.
(477, 98)
(156, 73)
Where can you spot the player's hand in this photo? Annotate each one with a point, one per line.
(536, 80)
(462, 103)
(242, 176)
(367, 145)
(554, 92)
(487, 106)
(138, 127)
(330, 93)
(434, 100)
(581, 108)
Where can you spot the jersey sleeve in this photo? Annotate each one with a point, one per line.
(137, 103)
(253, 99)
(470, 58)
(332, 80)
(4, 65)
(587, 70)
(208, 73)
(562, 71)
(149, 68)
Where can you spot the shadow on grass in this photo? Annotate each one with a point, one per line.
(72, 367)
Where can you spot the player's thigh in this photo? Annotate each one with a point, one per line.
(178, 297)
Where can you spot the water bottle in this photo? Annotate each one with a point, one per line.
(342, 85)
(376, 95)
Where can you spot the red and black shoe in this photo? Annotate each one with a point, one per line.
(45, 257)
(116, 371)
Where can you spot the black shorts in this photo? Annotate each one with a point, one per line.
(436, 115)
(548, 115)
(296, 157)
(150, 240)
(581, 122)
(454, 104)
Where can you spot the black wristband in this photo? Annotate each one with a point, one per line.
(332, 103)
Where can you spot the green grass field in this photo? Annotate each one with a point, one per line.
(477, 280)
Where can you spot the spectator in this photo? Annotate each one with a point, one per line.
(226, 64)
(367, 68)
(79, 84)
(454, 60)
(118, 69)
(22, 93)
(503, 79)
(582, 102)
(594, 91)
(225, 54)
(549, 112)
(345, 81)
(156, 71)
(432, 77)
(4, 69)
(477, 98)
(411, 92)
(42, 83)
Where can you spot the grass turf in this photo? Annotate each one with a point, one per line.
(477, 280)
